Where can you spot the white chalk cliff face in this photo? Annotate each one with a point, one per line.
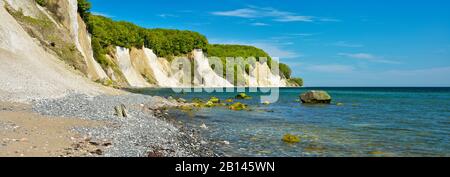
(83, 42)
(205, 75)
(133, 77)
(28, 7)
(251, 80)
(264, 77)
(138, 67)
(161, 70)
(27, 71)
(260, 74)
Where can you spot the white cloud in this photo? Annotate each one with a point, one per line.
(332, 68)
(368, 57)
(302, 34)
(358, 55)
(294, 18)
(274, 14)
(244, 13)
(259, 24)
(347, 44)
(167, 15)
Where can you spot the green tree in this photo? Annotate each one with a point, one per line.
(84, 8)
(285, 70)
(298, 81)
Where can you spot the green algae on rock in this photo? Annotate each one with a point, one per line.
(209, 104)
(243, 96)
(291, 139)
(238, 106)
(229, 100)
(315, 97)
(214, 99)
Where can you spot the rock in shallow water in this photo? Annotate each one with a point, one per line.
(238, 106)
(291, 139)
(243, 96)
(315, 97)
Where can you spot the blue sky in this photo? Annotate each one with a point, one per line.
(328, 43)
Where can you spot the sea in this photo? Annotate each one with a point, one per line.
(360, 122)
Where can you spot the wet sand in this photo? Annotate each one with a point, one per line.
(26, 134)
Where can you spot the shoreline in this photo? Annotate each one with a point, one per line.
(146, 132)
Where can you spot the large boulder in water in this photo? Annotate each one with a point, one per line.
(315, 97)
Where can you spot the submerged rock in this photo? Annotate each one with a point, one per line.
(315, 97)
(377, 153)
(209, 104)
(186, 108)
(229, 100)
(214, 99)
(291, 139)
(238, 106)
(243, 96)
(197, 100)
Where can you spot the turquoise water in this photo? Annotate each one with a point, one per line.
(371, 122)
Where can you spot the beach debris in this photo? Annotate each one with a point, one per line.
(315, 97)
(226, 142)
(106, 144)
(203, 126)
(291, 139)
(124, 110)
(118, 111)
(266, 103)
(155, 153)
(377, 153)
(181, 100)
(121, 111)
(94, 143)
(243, 96)
(238, 106)
(97, 152)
